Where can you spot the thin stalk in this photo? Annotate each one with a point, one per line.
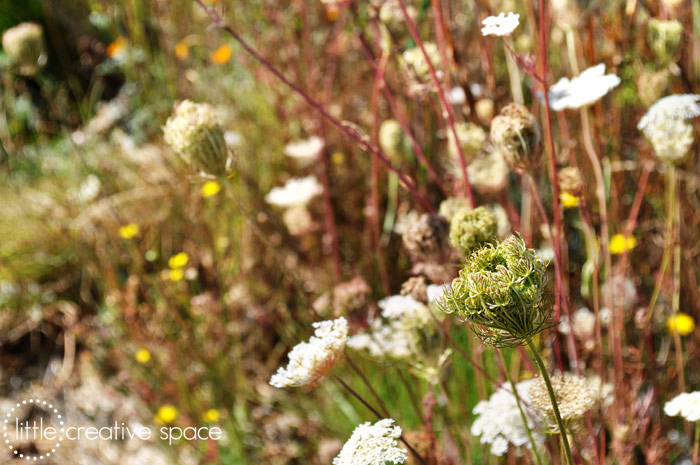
(675, 210)
(366, 382)
(446, 108)
(696, 444)
(533, 446)
(552, 397)
(378, 415)
(375, 151)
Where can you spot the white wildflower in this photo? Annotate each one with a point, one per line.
(373, 444)
(310, 361)
(88, 191)
(295, 192)
(665, 126)
(687, 405)
(500, 423)
(582, 322)
(456, 96)
(305, 151)
(391, 341)
(587, 88)
(488, 173)
(435, 292)
(500, 25)
(414, 60)
(405, 310)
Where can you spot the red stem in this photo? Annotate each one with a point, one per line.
(219, 22)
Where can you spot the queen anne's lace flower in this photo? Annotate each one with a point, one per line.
(296, 192)
(373, 444)
(665, 126)
(305, 150)
(500, 423)
(687, 405)
(500, 25)
(404, 309)
(575, 396)
(391, 341)
(585, 89)
(310, 361)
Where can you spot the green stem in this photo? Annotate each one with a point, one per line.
(555, 406)
(533, 446)
(696, 444)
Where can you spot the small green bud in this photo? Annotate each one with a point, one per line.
(470, 229)
(391, 139)
(471, 138)
(664, 38)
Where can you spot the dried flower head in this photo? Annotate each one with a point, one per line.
(587, 88)
(665, 126)
(351, 296)
(488, 173)
(499, 422)
(686, 405)
(451, 205)
(415, 64)
(575, 396)
(425, 238)
(516, 134)
(416, 287)
(391, 139)
(24, 43)
(373, 444)
(470, 229)
(295, 192)
(571, 180)
(471, 139)
(297, 219)
(651, 86)
(501, 290)
(391, 15)
(500, 25)
(310, 362)
(195, 133)
(664, 38)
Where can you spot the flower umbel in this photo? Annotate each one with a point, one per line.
(24, 43)
(470, 229)
(373, 444)
(516, 134)
(501, 291)
(500, 25)
(575, 396)
(587, 88)
(686, 405)
(310, 362)
(195, 132)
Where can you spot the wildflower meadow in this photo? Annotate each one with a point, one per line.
(349, 232)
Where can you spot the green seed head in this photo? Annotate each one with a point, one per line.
(502, 292)
(470, 229)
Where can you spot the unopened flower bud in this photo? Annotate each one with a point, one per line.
(195, 132)
(470, 229)
(391, 139)
(664, 38)
(24, 43)
(471, 138)
(516, 133)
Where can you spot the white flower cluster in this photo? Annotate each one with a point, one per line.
(686, 405)
(373, 444)
(500, 423)
(415, 62)
(310, 361)
(398, 338)
(295, 192)
(583, 322)
(183, 129)
(665, 126)
(585, 89)
(305, 151)
(500, 25)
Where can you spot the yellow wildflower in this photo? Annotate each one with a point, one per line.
(166, 414)
(681, 323)
(182, 50)
(116, 48)
(179, 260)
(143, 356)
(338, 158)
(177, 274)
(221, 55)
(129, 231)
(620, 244)
(332, 13)
(211, 416)
(210, 188)
(568, 200)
